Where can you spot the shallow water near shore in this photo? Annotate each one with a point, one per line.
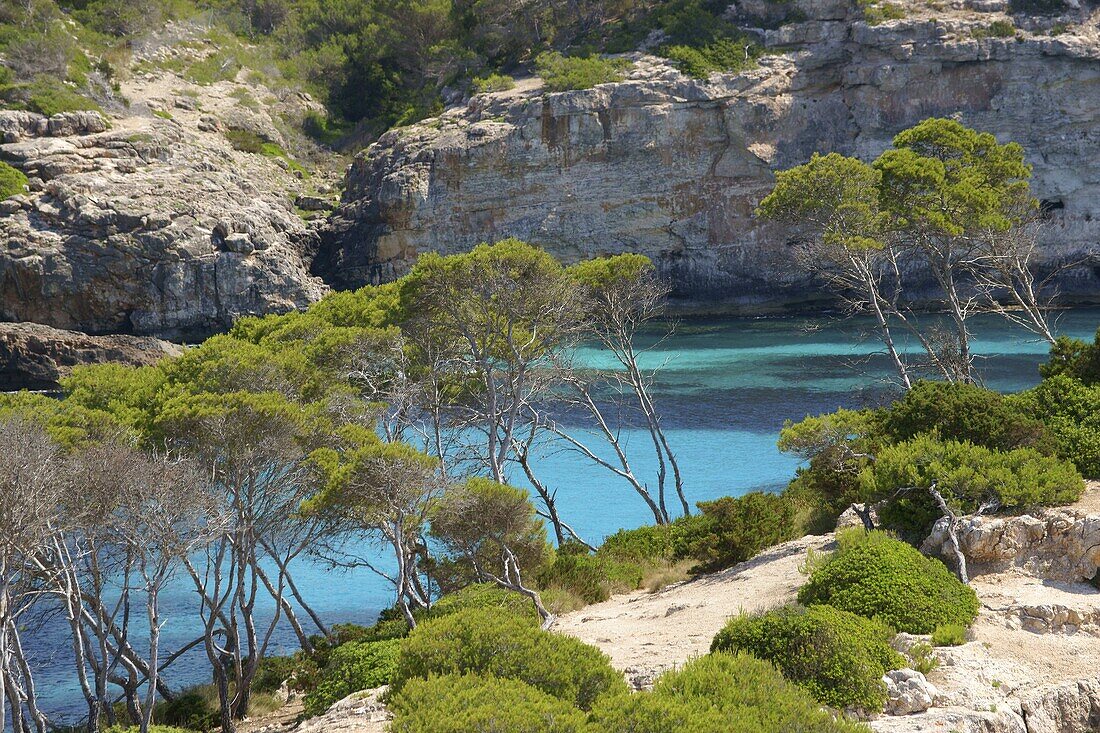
(724, 391)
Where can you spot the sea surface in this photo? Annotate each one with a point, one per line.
(724, 390)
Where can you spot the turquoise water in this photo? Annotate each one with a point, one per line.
(724, 391)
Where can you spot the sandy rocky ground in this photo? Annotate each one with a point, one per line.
(1029, 665)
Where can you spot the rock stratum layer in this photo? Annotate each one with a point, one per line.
(37, 357)
(673, 167)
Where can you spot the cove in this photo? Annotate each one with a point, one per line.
(725, 388)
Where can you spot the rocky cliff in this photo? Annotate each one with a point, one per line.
(168, 217)
(673, 166)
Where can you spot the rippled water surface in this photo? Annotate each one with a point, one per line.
(724, 391)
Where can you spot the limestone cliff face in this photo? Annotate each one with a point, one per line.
(673, 167)
(153, 218)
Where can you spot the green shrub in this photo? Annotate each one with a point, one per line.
(651, 543)
(563, 73)
(485, 596)
(470, 704)
(875, 12)
(273, 672)
(352, 667)
(491, 642)
(492, 83)
(922, 658)
(12, 181)
(1070, 408)
(721, 55)
(730, 530)
(1074, 358)
(594, 578)
(949, 635)
(963, 412)
(996, 29)
(967, 476)
(193, 709)
(46, 95)
(877, 576)
(214, 68)
(152, 729)
(716, 693)
(837, 656)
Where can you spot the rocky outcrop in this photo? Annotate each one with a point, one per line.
(147, 227)
(362, 712)
(1053, 544)
(673, 167)
(34, 356)
(907, 692)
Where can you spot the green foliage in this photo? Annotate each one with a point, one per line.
(492, 83)
(456, 703)
(878, 11)
(922, 657)
(563, 73)
(646, 543)
(876, 576)
(730, 530)
(837, 195)
(499, 644)
(721, 55)
(352, 667)
(481, 596)
(837, 656)
(192, 709)
(996, 29)
(1071, 411)
(591, 577)
(949, 635)
(46, 95)
(963, 412)
(716, 693)
(968, 477)
(273, 672)
(477, 522)
(1074, 358)
(152, 729)
(12, 181)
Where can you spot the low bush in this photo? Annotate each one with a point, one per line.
(963, 412)
(592, 577)
(1074, 358)
(1070, 408)
(492, 83)
(12, 181)
(463, 703)
(877, 576)
(875, 12)
(496, 643)
(152, 729)
(836, 656)
(967, 476)
(949, 635)
(718, 692)
(484, 596)
(46, 95)
(722, 55)
(730, 530)
(651, 543)
(352, 667)
(193, 709)
(922, 658)
(563, 73)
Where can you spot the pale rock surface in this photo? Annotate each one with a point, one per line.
(135, 223)
(362, 712)
(673, 167)
(908, 691)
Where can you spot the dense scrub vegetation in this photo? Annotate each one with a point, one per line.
(879, 577)
(837, 656)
